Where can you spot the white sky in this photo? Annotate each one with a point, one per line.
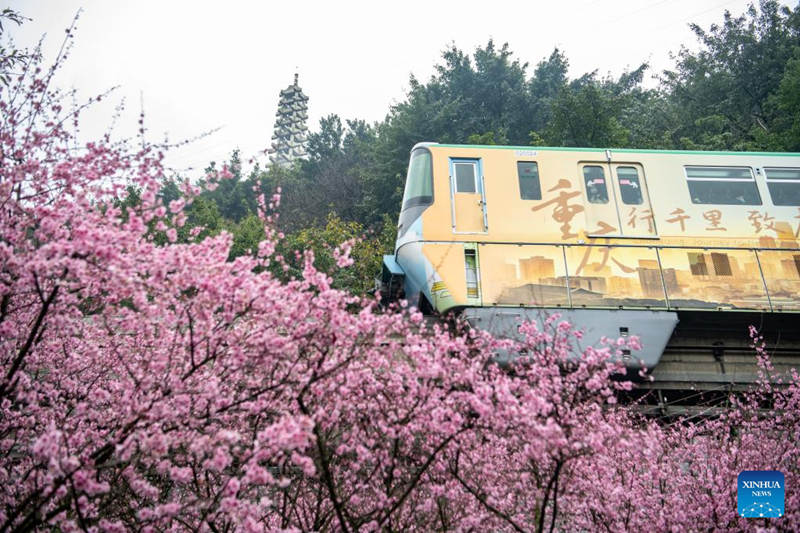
(200, 65)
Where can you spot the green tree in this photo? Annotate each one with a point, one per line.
(468, 95)
(549, 79)
(246, 236)
(480, 97)
(340, 162)
(203, 213)
(367, 252)
(233, 196)
(784, 105)
(326, 143)
(721, 92)
(592, 112)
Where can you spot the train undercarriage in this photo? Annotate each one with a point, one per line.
(710, 355)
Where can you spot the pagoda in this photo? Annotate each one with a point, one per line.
(289, 137)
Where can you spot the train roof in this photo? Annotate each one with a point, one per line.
(602, 150)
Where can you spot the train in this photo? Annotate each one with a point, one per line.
(618, 241)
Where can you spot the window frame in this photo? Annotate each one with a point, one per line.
(638, 178)
(752, 179)
(770, 181)
(475, 173)
(471, 276)
(605, 184)
(537, 178)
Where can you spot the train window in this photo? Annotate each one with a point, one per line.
(629, 185)
(466, 172)
(419, 182)
(595, 179)
(722, 185)
(471, 267)
(784, 185)
(529, 186)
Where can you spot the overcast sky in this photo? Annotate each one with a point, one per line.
(201, 65)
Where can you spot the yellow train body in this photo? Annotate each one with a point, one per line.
(592, 228)
(619, 241)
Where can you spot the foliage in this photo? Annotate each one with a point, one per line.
(590, 112)
(549, 78)
(466, 96)
(365, 250)
(336, 177)
(204, 215)
(247, 235)
(721, 93)
(233, 196)
(784, 105)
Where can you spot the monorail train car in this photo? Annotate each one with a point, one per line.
(618, 241)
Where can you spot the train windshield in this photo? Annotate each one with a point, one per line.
(419, 183)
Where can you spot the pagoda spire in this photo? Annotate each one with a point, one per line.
(290, 131)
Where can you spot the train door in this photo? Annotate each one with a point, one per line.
(617, 200)
(468, 197)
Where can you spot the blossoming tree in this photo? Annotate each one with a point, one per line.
(163, 387)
